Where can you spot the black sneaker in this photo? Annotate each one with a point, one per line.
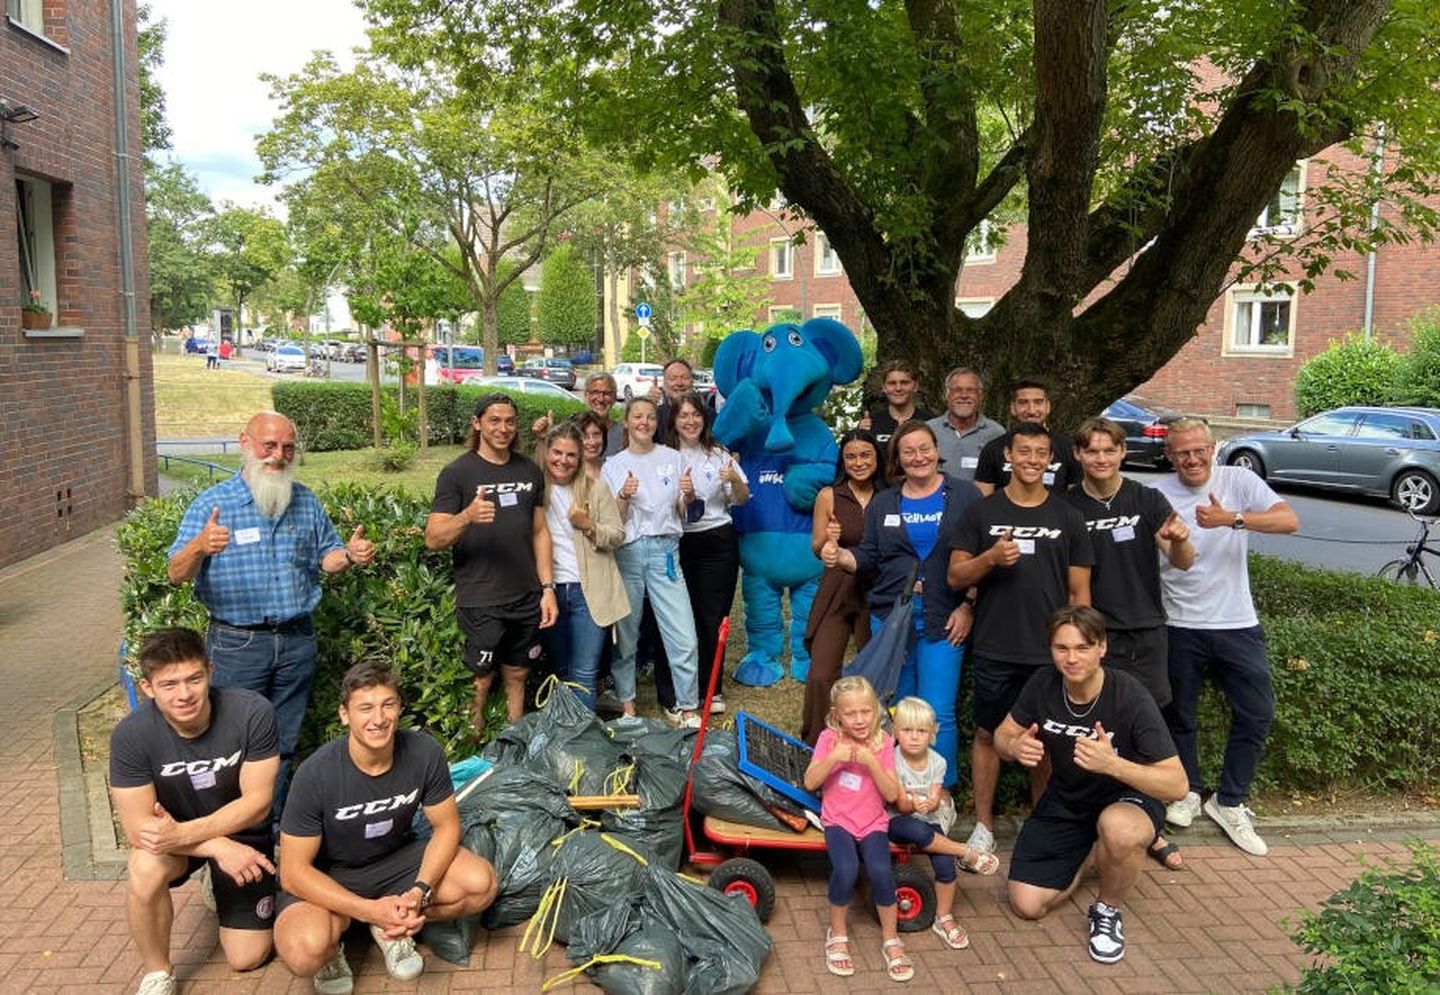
(1107, 934)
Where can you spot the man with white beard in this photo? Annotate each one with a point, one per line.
(255, 546)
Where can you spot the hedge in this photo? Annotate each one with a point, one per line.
(1356, 660)
(330, 416)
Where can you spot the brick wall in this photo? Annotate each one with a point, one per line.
(64, 454)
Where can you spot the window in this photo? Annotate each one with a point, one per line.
(980, 244)
(784, 312)
(975, 307)
(27, 13)
(828, 311)
(1260, 322)
(1282, 215)
(1419, 430)
(705, 204)
(826, 262)
(1387, 427)
(677, 270)
(782, 263)
(1252, 411)
(36, 237)
(1333, 423)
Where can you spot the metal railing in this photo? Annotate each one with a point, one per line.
(211, 469)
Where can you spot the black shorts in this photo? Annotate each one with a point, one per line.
(507, 634)
(392, 874)
(248, 906)
(1054, 842)
(1144, 655)
(997, 685)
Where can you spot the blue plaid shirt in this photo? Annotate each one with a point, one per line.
(270, 571)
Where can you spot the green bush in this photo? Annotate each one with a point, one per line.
(1421, 378)
(1380, 934)
(395, 457)
(1354, 370)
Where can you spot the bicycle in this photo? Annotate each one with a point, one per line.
(1412, 569)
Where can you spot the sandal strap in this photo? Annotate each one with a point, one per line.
(830, 940)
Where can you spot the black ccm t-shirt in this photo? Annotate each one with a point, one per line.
(883, 425)
(494, 561)
(196, 777)
(1125, 581)
(992, 467)
(360, 818)
(1016, 602)
(1125, 710)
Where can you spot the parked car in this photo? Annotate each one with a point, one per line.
(1386, 452)
(636, 378)
(556, 371)
(704, 381)
(1146, 425)
(287, 358)
(523, 385)
(354, 352)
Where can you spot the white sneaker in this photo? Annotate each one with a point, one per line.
(1236, 821)
(673, 715)
(207, 887)
(157, 983)
(691, 721)
(1183, 812)
(717, 705)
(981, 840)
(335, 977)
(402, 960)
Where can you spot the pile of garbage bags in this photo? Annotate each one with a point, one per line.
(605, 883)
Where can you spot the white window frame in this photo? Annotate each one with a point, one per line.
(675, 266)
(29, 14)
(836, 311)
(782, 250)
(1254, 295)
(975, 307)
(827, 263)
(982, 251)
(35, 240)
(1284, 226)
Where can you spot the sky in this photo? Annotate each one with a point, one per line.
(214, 100)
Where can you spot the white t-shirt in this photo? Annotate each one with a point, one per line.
(655, 507)
(1215, 592)
(562, 534)
(705, 467)
(917, 784)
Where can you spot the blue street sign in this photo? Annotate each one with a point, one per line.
(642, 310)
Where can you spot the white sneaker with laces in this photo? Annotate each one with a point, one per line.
(1237, 822)
(691, 721)
(717, 704)
(335, 977)
(981, 840)
(402, 960)
(157, 983)
(1183, 812)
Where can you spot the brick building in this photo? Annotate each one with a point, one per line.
(77, 440)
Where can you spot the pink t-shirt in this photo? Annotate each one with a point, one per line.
(850, 798)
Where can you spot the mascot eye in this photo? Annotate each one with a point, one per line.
(795, 339)
(768, 343)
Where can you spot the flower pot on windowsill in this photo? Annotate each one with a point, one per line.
(35, 319)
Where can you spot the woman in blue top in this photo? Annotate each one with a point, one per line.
(916, 522)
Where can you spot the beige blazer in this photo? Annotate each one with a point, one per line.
(599, 576)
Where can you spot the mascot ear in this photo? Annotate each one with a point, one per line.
(735, 359)
(837, 344)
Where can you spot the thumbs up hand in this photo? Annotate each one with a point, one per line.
(361, 550)
(631, 485)
(482, 509)
(1095, 753)
(1213, 515)
(1005, 552)
(832, 528)
(830, 553)
(728, 473)
(543, 424)
(213, 537)
(687, 485)
(1029, 750)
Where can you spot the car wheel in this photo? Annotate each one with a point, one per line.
(628, 392)
(1250, 460)
(1415, 490)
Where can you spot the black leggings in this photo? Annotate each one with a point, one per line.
(846, 854)
(711, 562)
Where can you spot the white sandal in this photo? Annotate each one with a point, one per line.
(954, 934)
(838, 962)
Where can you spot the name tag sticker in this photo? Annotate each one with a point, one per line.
(244, 537)
(204, 779)
(509, 499)
(1124, 533)
(1049, 479)
(1026, 545)
(969, 462)
(892, 521)
(849, 780)
(374, 830)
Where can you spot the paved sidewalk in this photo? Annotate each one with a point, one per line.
(1213, 928)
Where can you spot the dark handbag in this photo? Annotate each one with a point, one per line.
(883, 656)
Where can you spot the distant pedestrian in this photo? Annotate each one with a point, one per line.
(227, 349)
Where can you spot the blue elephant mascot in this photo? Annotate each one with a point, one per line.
(772, 383)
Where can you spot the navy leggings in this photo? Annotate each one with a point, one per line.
(918, 833)
(846, 853)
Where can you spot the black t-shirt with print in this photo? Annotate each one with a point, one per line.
(1125, 581)
(494, 561)
(993, 468)
(1124, 710)
(359, 818)
(883, 425)
(1016, 602)
(196, 777)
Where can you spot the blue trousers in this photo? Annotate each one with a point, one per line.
(574, 642)
(931, 671)
(651, 565)
(846, 853)
(915, 831)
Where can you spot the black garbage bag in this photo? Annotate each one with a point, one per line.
(724, 942)
(563, 740)
(589, 873)
(628, 952)
(641, 736)
(723, 791)
(656, 827)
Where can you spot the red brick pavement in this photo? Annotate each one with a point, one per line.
(1212, 928)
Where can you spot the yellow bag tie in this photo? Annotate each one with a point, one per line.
(575, 972)
(617, 782)
(547, 688)
(624, 849)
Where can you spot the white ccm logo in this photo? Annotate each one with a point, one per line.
(510, 487)
(1074, 732)
(199, 766)
(1025, 531)
(1110, 524)
(377, 806)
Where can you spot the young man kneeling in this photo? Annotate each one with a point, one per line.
(1113, 768)
(349, 852)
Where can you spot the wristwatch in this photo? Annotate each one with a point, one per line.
(1239, 522)
(550, 585)
(426, 892)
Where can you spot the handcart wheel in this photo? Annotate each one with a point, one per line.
(743, 876)
(914, 899)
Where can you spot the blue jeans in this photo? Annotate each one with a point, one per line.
(931, 671)
(847, 853)
(574, 642)
(1242, 669)
(651, 566)
(278, 665)
(916, 832)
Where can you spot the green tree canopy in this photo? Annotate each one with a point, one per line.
(182, 272)
(565, 311)
(250, 248)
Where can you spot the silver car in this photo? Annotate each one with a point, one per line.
(1385, 452)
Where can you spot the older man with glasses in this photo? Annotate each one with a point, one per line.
(962, 430)
(600, 394)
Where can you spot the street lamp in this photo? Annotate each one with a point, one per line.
(13, 114)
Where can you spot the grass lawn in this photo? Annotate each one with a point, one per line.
(345, 466)
(192, 402)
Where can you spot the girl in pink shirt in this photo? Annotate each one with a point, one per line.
(854, 771)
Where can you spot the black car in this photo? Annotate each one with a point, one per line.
(1146, 425)
(556, 371)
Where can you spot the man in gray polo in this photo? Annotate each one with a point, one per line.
(962, 431)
